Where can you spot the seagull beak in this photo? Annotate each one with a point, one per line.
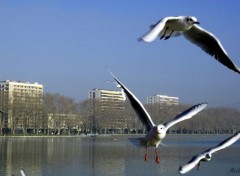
(158, 131)
(196, 22)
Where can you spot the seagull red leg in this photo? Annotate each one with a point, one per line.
(198, 166)
(157, 157)
(146, 154)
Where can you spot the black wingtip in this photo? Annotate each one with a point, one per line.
(202, 104)
(180, 169)
(139, 39)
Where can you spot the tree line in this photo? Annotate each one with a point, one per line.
(58, 114)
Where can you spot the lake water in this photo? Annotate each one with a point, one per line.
(113, 155)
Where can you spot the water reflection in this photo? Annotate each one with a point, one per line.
(103, 156)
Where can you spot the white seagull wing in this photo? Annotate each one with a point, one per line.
(227, 142)
(156, 29)
(192, 163)
(211, 45)
(195, 160)
(22, 173)
(137, 106)
(186, 114)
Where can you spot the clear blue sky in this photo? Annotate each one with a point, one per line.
(67, 44)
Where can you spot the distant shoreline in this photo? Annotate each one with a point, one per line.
(90, 135)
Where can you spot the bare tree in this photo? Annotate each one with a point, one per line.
(59, 110)
(89, 112)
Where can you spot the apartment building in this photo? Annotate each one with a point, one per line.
(21, 102)
(107, 109)
(162, 99)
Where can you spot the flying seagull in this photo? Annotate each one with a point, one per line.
(155, 133)
(207, 155)
(187, 26)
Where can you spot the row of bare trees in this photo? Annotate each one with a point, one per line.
(210, 120)
(57, 114)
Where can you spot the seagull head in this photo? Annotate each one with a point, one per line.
(191, 20)
(160, 129)
(208, 157)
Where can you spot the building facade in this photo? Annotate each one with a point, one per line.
(162, 99)
(107, 109)
(22, 104)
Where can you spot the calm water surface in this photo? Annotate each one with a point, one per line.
(114, 155)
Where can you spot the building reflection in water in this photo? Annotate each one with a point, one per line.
(106, 156)
(88, 156)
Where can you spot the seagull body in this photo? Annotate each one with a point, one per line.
(155, 133)
(207, 155)
(187, 26)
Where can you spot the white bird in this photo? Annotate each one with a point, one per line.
(22, 172)
(187, 26)
(207, 155)
(155, 133)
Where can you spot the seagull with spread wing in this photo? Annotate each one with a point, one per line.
(207, 155)
(155, 133)
(187, 26)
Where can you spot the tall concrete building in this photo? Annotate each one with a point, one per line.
(21, 102)
(107, 109)
(162, 99)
